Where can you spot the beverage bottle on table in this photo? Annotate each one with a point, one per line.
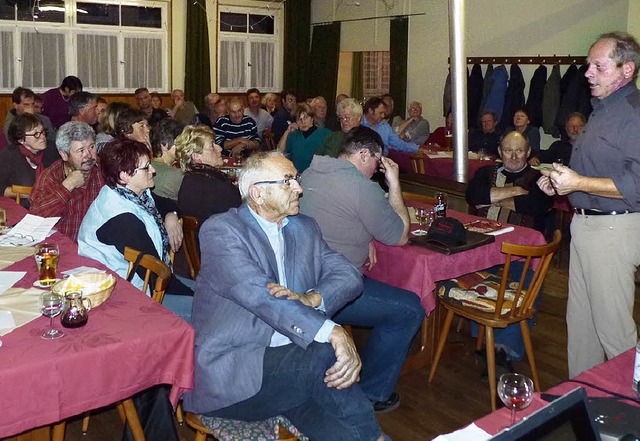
(636, 371)
(440, 210)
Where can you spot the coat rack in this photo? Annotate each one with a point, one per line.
(569, 59)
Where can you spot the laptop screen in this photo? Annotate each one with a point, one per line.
(564, 419)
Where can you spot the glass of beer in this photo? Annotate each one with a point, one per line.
(47, 254)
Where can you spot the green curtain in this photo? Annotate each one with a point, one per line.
(357, 76)
(297, 34)
(325, 54)
(197, 80)
(398, 54)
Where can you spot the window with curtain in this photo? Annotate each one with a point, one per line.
(250, 44)
(112, 47)
(375, 72)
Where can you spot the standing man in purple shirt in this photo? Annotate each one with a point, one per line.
(55, 102)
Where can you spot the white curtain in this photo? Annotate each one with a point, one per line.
(43, 59)
(98, 61)
(263, 65)
(142, 62)
(6, 59)
(232, 64)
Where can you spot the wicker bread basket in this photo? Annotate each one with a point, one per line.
(95, 286)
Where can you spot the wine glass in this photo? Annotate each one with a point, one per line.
(516, 392)
(421, 216)
(51, 304)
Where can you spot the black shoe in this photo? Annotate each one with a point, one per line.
(503, 364)
(387, 406)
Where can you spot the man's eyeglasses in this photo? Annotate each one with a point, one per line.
(36, 135)
(145, 168)
(287, 180)
(346, 118)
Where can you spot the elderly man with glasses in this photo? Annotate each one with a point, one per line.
(349, 115)
(351, 211)
(267, 289)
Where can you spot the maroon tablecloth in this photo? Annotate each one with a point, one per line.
(436, 167)
(615, 375)
(418, 269)
(129, 344)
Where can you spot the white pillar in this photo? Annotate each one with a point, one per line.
(458, 87)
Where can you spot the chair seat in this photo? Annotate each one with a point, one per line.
(479, 291)
(234, 430)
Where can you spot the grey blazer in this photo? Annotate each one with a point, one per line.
(233, 314)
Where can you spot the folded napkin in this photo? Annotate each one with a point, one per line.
(11, 255)
(469, 433)
(23, 304)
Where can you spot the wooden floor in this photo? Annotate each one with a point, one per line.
(455, 398)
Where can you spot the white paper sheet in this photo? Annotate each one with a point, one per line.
(82, 270)
(469, 433)
(9, 278)
(29, 231)
(23, 304)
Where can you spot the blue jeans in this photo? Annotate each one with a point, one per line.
(178, 304)
(293, 386)
(395, 315)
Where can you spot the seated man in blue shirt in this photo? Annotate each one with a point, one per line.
(374, 113)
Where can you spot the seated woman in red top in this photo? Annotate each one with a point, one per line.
(439, 136)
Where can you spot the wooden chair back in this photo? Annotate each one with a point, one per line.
(420, 198)
(269, 140)
(417, 162)
(190, 226)
(529, 293)
(152, 265)
(21, 190)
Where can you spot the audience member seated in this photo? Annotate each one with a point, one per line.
(156, 100)
(374, 112)
(389, 116)
(236, 133)
(37, 104)
(205, 190)
(182, 110)
(23, 161)
(560, 151)
(333, 121)
(82, 107)
(107, 128)
(302, 138)
(133, 124)
(24, 102)
(350, 116)
(439, 136)
(207, 116)
(488, 137)
(67, 188)
(261, 117)
(55, 102)
(508, 192)
(282, 118)
(352, 210)
(267, 287)
(168, 178)
(143, 98)
(319, 107)
(415, 129)
(522, 124)
(124, 215)
(101, 110)
(270, 103)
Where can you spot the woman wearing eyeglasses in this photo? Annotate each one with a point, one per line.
(302, 138)
(24, 159)
(125, 215)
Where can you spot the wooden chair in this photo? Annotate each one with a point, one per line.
(269, 140)
(202, 431)
(417, 161)
(190, 227)
(126, 408)
(498, 319)
(152, 265)
(21, 190)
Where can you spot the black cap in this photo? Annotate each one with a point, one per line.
(448, 232)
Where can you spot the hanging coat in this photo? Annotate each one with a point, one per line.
(514, 98)
(534, 100)
(551, 102)
(495, 100)
(475, 84)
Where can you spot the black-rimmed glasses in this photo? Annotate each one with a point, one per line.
(36, 135)
(287, 180)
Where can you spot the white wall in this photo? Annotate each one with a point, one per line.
(494, 28)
